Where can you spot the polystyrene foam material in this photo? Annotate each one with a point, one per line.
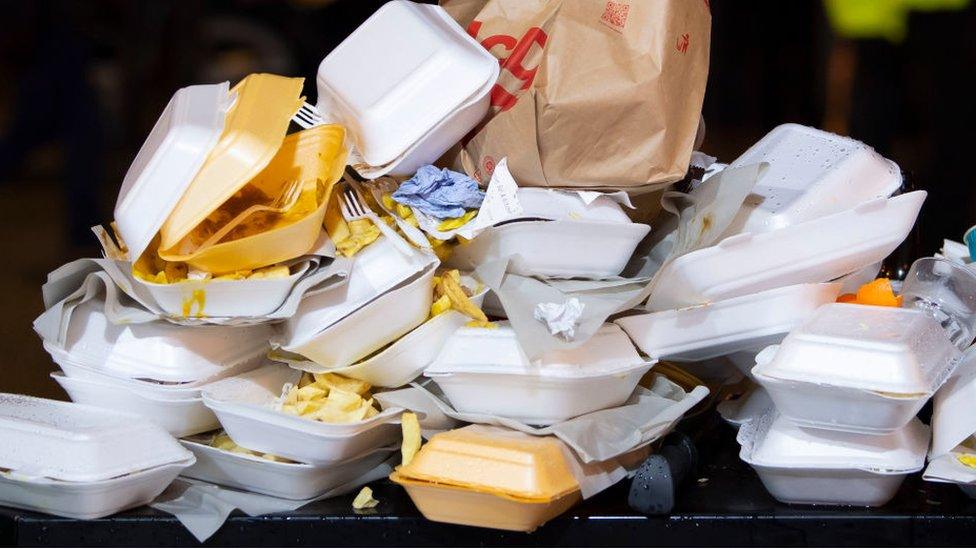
(814, 251)
(254, 129)
(485, 371)
(727, 326)
(554, 249)
(403, 72)
(569, 206)
(223, 298)
(283, 480)
(889, 349)
(168, 161)
(243, 406)
(747, 407)
(405, 359)
(160, 350)
(812, 173)
(368, 329)
(830, 468)
(496, 460)
(180, 417)
(376, 269)
(457, 505)
(92, 499)
(76, 443)
(953, 420)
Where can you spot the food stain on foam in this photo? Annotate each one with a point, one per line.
(198, 297)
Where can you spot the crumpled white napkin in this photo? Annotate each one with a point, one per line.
(561, 318)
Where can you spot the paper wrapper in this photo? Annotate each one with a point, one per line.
(569, 108)
(947, 468)
(688, 222)
(203, 508)
(598, 436)
(128, 302)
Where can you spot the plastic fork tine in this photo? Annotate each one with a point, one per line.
(308, 117)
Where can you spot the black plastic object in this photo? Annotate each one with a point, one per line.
(653, 489)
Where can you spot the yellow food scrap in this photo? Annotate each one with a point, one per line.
(969, 460)
(456, 222)
(411, 437)
(364, 499)
(448, 285)
(329, 398)
(198, 298)
(274, 271)
(223, 442)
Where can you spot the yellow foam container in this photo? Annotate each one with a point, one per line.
(254, 129)
(315, 154)
(490, 477)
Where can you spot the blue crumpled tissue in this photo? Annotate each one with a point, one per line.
(440, 193)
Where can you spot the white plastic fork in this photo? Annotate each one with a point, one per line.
(353, 208)
(308, 116)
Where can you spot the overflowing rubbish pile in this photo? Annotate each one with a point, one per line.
(453, 248)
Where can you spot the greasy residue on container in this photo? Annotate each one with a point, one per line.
(198, 297)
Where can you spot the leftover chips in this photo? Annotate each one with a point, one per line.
(223, 442)
(329, 398)
(449, 293)
(364, 499)
(411, 437)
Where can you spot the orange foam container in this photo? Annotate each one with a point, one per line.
(254, 129)
(490, 477)
(310, 156)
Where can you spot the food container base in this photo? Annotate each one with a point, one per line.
(804, 486)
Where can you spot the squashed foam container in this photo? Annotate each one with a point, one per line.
(727, 326)
(80, 444)
(168, 161)
(224, 298)
(297, 481)
(243, 404)
(490, 477)
(555, 204)
(377, 269)
(816, 467)
(857, 368)
(554, 249)
(812, 173)
(159, 351)
(378, 323)
(818, 250)
(409, 83)
(485, 371)
(179, 412)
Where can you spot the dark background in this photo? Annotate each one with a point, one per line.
(83, 82)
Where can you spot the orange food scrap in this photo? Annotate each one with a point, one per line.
(878, 292)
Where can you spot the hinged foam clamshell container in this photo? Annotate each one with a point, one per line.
(243, 404)
(816, 467)
(857, 368)
(490, 477)
(485, 371)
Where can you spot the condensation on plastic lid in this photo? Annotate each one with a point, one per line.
(74, 442)
(497, 350)
(494, 460)
(772, 440)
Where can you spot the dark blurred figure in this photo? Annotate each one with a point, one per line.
(53, 101)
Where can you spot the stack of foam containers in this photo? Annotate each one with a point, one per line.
(818, 222)
(846, 385)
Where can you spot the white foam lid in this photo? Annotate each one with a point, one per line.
(570, 206)
(73, 442)
(496, 350)
(399, 74)
(169, 159)
(865, 347)
(811, 173)
(160, 350)
(772, 440)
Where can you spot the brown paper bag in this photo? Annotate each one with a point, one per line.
(599, 94)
